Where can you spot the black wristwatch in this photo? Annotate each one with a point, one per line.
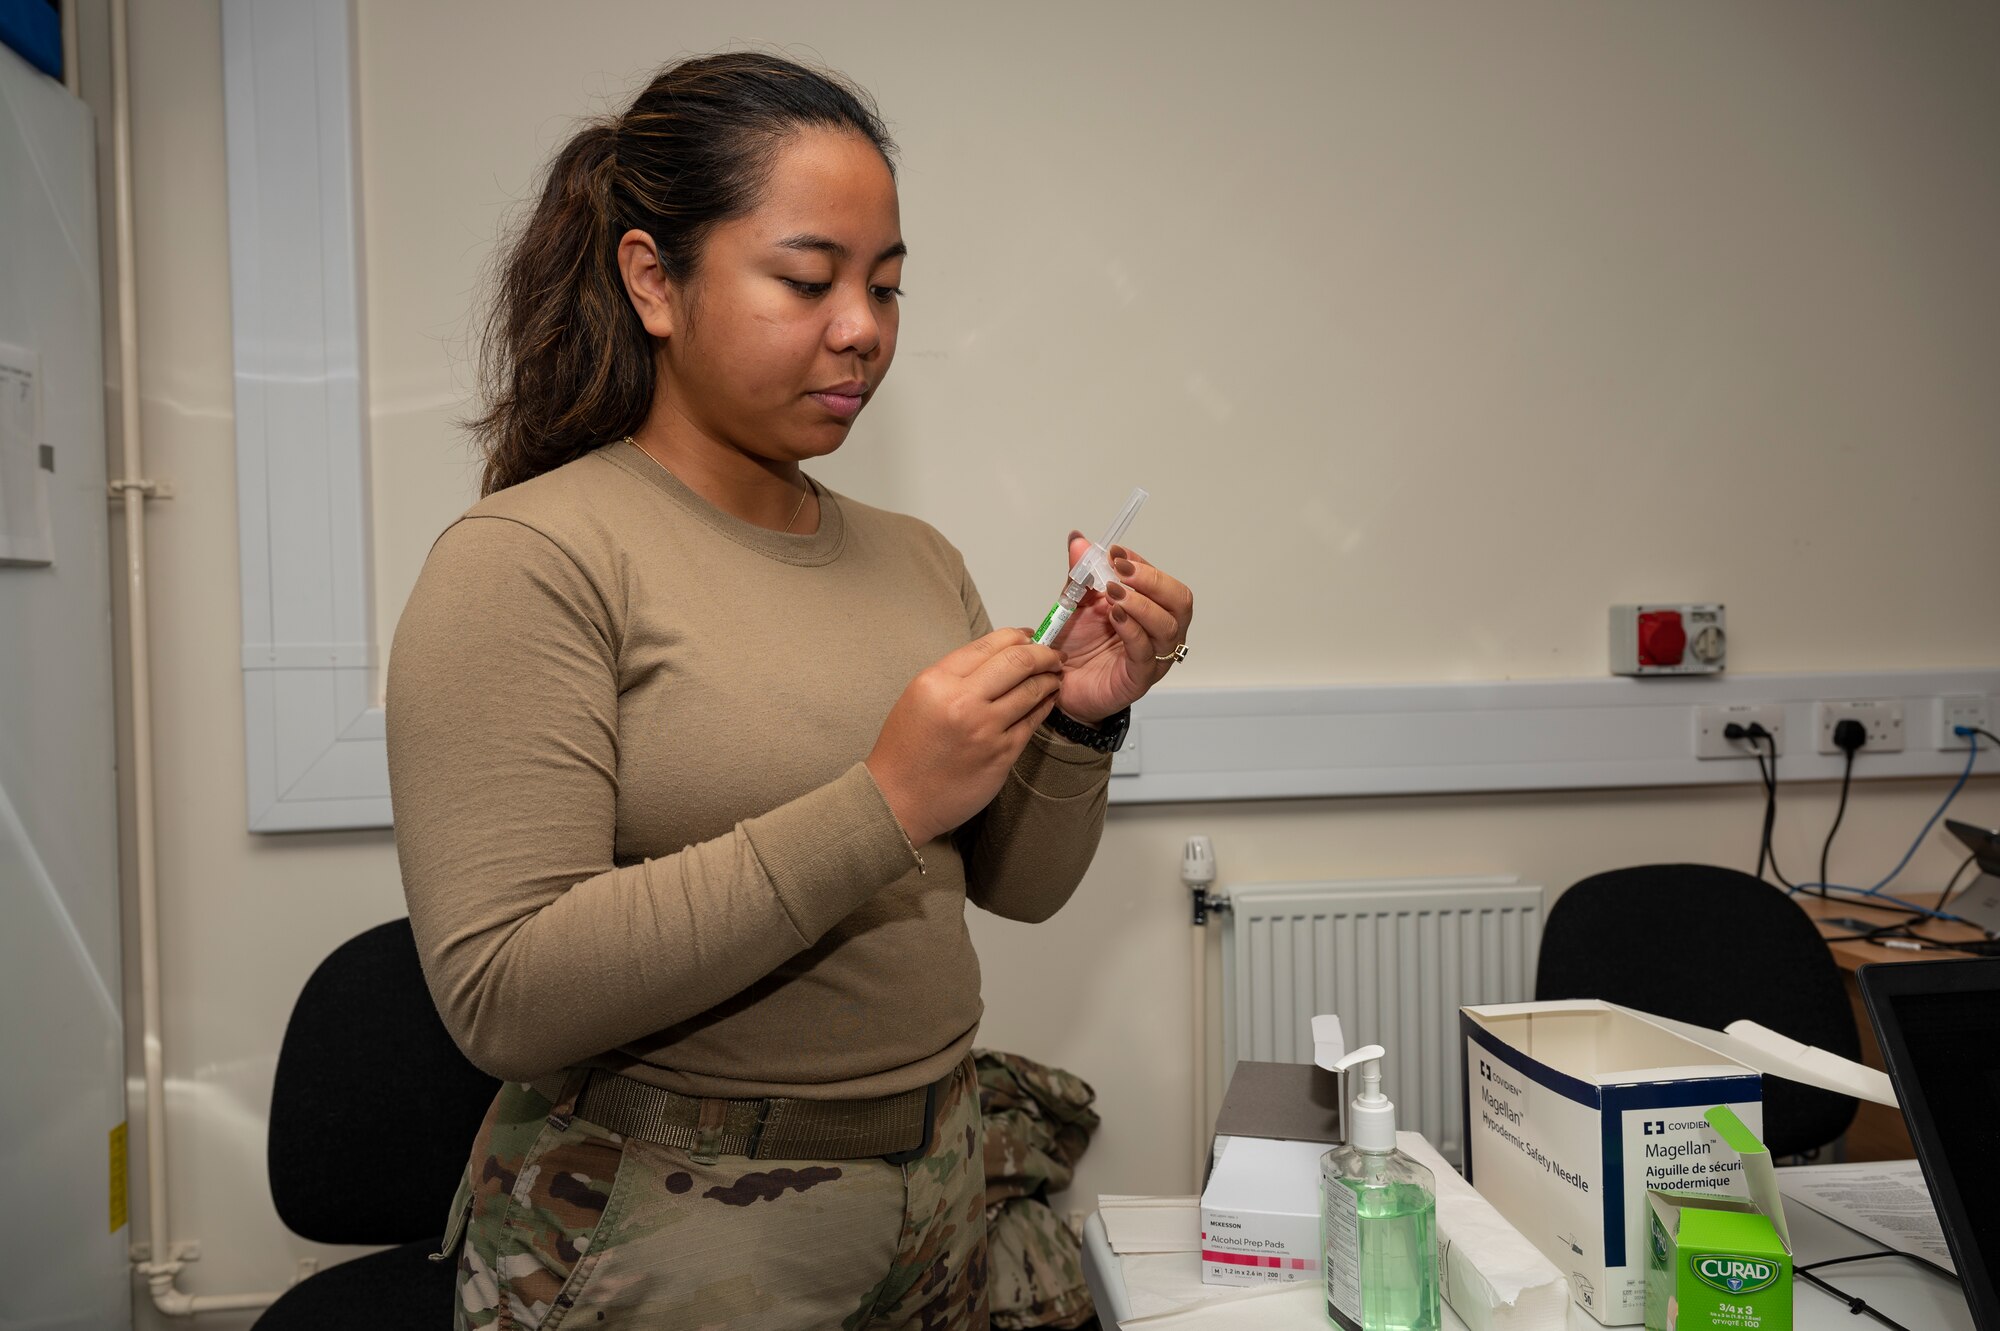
(1105, 736)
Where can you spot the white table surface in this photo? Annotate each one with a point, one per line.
(1914, 1295)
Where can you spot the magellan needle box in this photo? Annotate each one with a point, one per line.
(1575, 1109)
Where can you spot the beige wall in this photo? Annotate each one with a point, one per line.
(1434, 328)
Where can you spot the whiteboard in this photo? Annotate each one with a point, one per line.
(1435, 328)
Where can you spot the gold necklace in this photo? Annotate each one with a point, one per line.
(804, 494)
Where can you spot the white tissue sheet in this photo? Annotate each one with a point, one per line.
(1295, 1307)
(1493, 1278)
(1151, 1224)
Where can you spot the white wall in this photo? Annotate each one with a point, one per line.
(1457, 322)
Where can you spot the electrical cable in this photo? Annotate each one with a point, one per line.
(1840, 812)
(1875, 893)
(1888, 929)
(1855, 1304)
(1767, 850)
(1971, 757)
(1878, 899)
(1764, 836)
(1952, 886)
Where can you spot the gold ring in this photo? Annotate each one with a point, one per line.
(1178, 654)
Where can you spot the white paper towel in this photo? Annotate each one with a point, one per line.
(1494, 1278)
(1300, 1306)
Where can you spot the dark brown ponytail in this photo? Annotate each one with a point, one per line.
(566, 364)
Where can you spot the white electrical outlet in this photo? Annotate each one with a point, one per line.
(1711, 721)
(1883, 719)
(1963, 709)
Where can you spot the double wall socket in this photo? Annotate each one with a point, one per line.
(1882, 718)
(1964, 709)
(1710, 722)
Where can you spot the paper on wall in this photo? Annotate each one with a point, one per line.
(25, 462)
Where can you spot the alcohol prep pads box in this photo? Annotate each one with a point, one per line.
(1260, 1212)
(1574, 1109)
(1260, 1203)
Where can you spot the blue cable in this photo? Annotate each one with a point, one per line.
(1971, 738)
(1868, 894)
(1971, 757)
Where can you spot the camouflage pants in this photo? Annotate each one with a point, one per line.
(579, 1227)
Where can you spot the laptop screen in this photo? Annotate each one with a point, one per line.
(1939, 1028)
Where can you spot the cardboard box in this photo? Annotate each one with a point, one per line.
(1717, 1263)
(1260, 1204)
(1574, 1109)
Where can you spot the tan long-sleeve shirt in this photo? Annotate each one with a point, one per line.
(625, 740)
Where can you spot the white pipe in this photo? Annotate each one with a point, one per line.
(179, 1303)
(1200, 953)
(138, 644)
(162, 1267)
(1197, 874)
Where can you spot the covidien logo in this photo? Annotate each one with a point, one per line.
(1734, 1275)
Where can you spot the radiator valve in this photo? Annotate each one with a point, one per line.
(1197, 874)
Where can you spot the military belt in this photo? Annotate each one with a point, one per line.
(894, 1127)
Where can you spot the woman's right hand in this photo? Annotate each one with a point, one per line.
(952, 737)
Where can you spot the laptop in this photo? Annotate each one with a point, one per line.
(1980, 903)
(1938, 1025)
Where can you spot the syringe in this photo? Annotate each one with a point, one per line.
(1093, 572)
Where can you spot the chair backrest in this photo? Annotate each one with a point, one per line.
(1709, 945)
(374, 1108)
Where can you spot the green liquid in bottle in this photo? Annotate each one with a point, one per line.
(1394, 1282)
(1399, 1275)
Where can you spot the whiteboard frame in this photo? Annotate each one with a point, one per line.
(315, 752)
(314, 749)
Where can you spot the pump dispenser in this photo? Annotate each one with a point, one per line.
(1378, 1225)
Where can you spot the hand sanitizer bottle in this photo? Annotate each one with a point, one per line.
(1378, 1219)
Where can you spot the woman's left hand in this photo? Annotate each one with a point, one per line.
(1112, 641)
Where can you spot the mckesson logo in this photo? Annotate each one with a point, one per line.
(1734, 1275)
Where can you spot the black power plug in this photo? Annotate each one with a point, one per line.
(1849, 735)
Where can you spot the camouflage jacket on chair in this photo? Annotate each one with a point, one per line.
(1038, 1122)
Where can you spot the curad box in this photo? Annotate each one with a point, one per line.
(1720, 1263)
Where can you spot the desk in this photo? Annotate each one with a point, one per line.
(1878, 1132)
(1914, 1295)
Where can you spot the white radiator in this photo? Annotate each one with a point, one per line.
(1395, 959)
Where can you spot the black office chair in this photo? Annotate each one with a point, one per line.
(1709, 945)
(372, 1115)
